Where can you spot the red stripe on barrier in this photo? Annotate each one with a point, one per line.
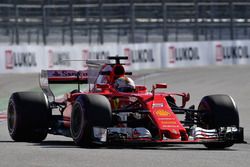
(3, 116)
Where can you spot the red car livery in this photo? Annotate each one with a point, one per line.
(103, 115)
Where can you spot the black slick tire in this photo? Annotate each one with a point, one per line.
(220, 111)
(89, 111)
(28, 116)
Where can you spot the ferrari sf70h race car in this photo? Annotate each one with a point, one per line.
(101, 114)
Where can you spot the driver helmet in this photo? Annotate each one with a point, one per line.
(124, 84)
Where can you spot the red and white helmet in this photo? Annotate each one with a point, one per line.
(124, 84)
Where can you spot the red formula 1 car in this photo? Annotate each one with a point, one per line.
(104, 114)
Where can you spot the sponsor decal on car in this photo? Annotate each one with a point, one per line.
(155, 105)
(67, 73)
(162, 112)
(168, 122)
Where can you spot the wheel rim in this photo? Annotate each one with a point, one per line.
(11, 117)
(76, 123)
(205, 116)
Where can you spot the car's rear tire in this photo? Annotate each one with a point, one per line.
(218, 111)
(89, 111)
(28, 116)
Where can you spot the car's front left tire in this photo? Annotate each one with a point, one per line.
(28, 116)
(89, 111)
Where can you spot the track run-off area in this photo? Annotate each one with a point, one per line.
(58, 151)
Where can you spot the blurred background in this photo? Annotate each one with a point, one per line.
(210, 36)
(122, 21)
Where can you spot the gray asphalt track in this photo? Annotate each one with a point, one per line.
(57, 151)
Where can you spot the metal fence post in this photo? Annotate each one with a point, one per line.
(71, 23)
(132, 22)
(37, 36)
(212, 21)
(16, 23)
(101, 22)
(164, 12)
(44, 25)
(196, 26)
(63, 36)
(231, 7)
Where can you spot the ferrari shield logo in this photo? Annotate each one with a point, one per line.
(116, 103)
(162, 113)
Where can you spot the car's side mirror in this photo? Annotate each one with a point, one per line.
(161, 86)
(158, 86)
(140, 89)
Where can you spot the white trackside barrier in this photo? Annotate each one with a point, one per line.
(142, 56)
(231, 52)
(186, 54)
(32, 58)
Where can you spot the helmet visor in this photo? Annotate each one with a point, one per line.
(126, 89)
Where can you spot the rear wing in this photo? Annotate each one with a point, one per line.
(65, 76)
(48, 77)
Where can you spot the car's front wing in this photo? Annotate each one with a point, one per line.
(142, 135)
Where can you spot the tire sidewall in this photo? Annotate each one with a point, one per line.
(221, 111)
(218, 111)
(12, 120)
(78, 111)
(28, 116)
(88, 107)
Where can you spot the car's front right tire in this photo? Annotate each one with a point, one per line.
(219, 111)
